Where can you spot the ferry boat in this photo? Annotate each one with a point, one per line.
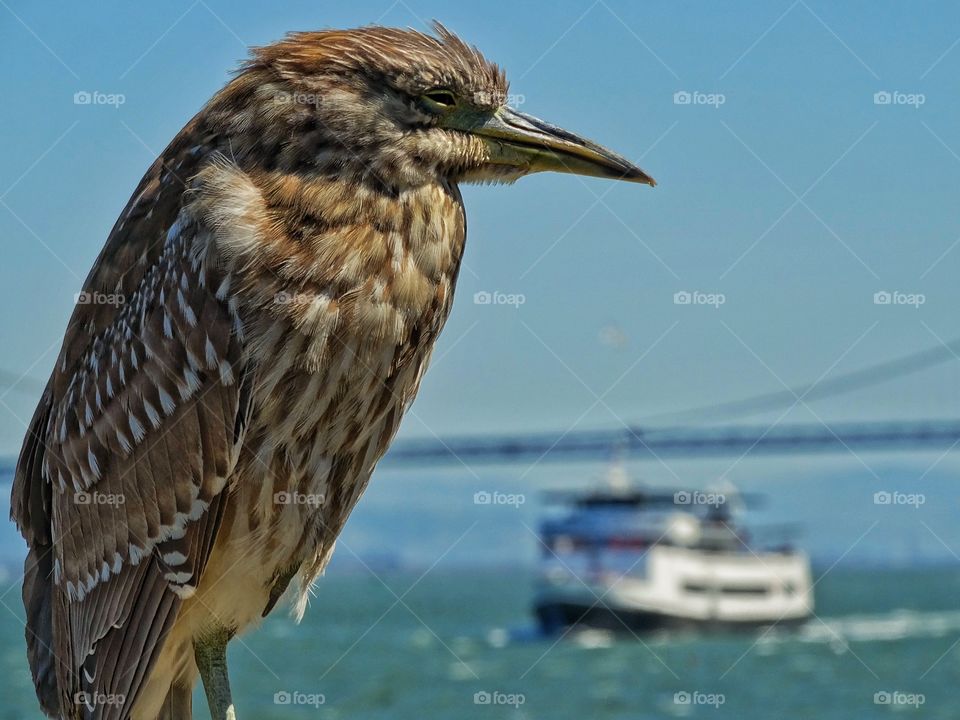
(628, 557)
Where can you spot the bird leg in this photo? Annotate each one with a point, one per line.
(210, 652)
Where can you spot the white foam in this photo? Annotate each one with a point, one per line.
(895, 625)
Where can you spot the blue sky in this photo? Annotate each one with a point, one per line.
(796, 198)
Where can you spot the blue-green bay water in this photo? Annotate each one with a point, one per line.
(395, 647)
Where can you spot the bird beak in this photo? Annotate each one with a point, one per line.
(532, 145)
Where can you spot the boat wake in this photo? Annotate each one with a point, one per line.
(895, 625)
(837, 632)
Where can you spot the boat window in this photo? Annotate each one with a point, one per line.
(744, 590)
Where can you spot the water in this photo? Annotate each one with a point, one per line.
(397, 648)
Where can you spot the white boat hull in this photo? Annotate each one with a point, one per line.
(669, 586)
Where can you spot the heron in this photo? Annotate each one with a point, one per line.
(243, 350)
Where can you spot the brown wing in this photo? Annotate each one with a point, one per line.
(119, 486)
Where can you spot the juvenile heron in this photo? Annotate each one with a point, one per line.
(244, 349)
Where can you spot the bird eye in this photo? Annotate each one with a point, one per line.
(439, 100)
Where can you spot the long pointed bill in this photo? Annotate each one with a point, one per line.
(525, 142)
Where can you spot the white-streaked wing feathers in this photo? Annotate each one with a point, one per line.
(137, 451)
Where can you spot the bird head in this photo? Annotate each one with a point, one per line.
(410, 108)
